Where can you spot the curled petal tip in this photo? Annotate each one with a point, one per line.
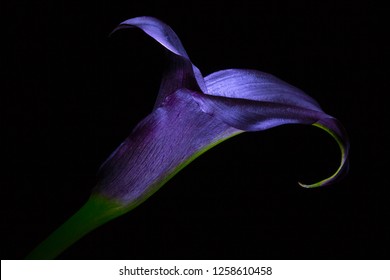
(316, 185)
(336, 130)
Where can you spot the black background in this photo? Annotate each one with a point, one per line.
(72, 94)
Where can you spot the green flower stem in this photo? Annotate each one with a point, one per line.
(94, 213)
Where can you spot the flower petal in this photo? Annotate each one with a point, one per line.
(252, 101)
(181, 72)
(160, 146)
(256, 85)
(337, 131)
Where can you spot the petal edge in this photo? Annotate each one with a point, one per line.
(341, 138)
(181, 72)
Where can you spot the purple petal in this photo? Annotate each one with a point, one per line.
(256, 85)
(251, 100)
(161, 145)
(181, 73)
(252, 115)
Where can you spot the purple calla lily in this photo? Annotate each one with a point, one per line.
(192, 114)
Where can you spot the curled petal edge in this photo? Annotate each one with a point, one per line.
(182, 72)
(247, 115)
(343, 167)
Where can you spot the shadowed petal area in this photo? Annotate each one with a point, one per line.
(181, 73)
(250, 100)
(161, 145)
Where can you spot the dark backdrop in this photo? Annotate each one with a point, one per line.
(72, 94)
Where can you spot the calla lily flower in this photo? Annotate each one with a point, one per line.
(192, 114)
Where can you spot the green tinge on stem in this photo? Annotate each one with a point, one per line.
(95, 212)
(343, 158)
